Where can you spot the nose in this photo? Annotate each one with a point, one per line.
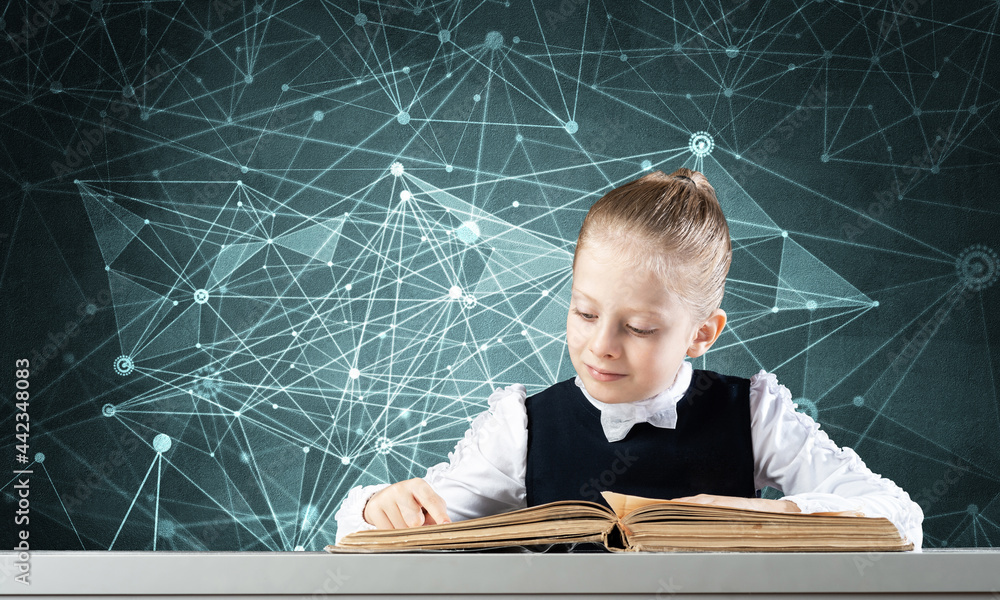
(604, 342)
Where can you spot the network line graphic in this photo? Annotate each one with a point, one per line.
(300, 244)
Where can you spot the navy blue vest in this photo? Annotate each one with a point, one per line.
(709, 452)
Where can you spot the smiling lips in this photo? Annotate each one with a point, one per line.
(602, 375)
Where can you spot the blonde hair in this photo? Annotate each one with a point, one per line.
(680, 217)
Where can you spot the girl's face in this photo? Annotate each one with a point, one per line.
(627, 334)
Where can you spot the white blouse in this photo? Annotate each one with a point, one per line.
(484, 475)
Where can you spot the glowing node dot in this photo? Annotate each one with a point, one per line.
(448, 168)
(39, 457)
(403, 117)
(201, 296)
(455, 292)
(295, 334)
(859, 401)
(348, 288)
(572, 127)
(124, 365)
(305, 449)
(329, 263)
(405, 195)
(476, 98)
(545, 293)
(494, 40)
(623, 57)
(198, 345)
(732, 52)
(784, 234)
(396, 169)
(318, 116)
(728, 92)
(646, 165)
(524, 332)
(875, 304)
(360, 19)
(354, 373)
(519, 138)
(774, 309)
(176, 302)
(345, 461)
(515, 204)
(161, 443)
(248, 78)
(240, 203)
(811, 305)
(236, 413)
(423, 423)
(406, 70)
(108, 410)
(978, 267)
(274, 405)
(701, 143)
(444, 36)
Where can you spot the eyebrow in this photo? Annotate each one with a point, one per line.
(654, 313)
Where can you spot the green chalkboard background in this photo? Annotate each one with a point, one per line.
(258, 254)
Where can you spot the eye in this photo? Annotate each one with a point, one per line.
(585, 316)
(642, 331)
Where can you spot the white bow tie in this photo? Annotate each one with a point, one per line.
(659, 410)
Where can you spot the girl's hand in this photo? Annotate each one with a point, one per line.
(781, 506)
(405, 504)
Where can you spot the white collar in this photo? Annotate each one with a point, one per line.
(659, 410)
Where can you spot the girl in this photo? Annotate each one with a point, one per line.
(649, 272)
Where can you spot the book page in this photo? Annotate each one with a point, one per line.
(623, 504)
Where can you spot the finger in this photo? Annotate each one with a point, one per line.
(379, 519)
(434, 504)
(397, 520)
(411, 511)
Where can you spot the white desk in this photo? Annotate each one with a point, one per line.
(967, 573)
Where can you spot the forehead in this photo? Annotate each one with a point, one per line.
(608, 276)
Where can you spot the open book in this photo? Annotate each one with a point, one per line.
(635, 524)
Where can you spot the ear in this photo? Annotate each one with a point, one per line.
(707, 333)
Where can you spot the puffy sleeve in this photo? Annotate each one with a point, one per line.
(483, 475)
(792, 454)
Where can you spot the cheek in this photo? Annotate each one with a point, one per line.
(576, 337)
